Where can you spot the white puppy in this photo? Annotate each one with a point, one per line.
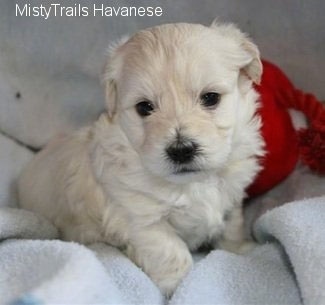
(165, 169)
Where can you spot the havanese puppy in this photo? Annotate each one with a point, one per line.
(165, 169)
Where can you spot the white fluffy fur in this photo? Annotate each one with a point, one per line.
(111, 182)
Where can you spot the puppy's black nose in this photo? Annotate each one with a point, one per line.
(182, 151)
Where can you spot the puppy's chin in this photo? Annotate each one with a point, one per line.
(177, 175)
(187, 176)
(181, 174)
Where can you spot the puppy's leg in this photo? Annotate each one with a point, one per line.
(233, 238)
(161, 254)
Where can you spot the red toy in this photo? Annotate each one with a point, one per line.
(283, 144)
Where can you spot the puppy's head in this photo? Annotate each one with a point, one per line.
(175, 90)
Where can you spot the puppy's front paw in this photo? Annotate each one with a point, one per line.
(238, 247)
(165, 259)
(246, 246)
(172, 274)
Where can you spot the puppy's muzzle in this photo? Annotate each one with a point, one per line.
(182, 151)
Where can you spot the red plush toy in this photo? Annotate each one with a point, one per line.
(283, 144)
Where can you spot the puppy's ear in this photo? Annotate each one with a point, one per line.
(245, 54)
(253, 68)
(111, 97)
(111, 73)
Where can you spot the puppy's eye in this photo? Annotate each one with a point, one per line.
(144, 108)
(210, 99)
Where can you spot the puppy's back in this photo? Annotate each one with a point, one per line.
(55, 183)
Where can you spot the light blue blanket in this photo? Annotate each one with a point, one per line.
(288, 267)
